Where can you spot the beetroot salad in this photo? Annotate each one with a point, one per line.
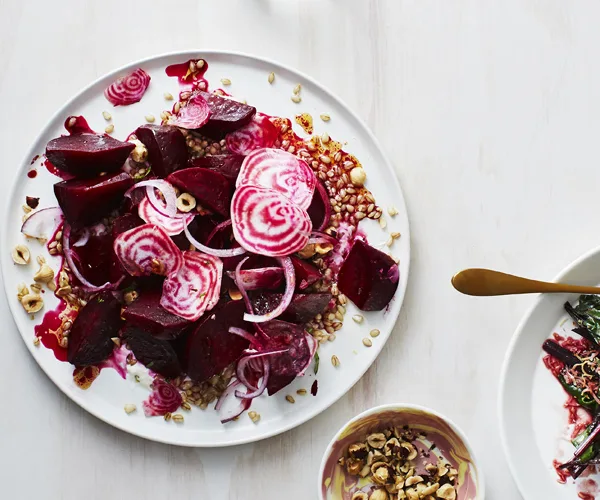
(575, 363)
(216, 249)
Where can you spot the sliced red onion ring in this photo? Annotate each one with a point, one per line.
(290, 284)
(266, 223)
(69, 254)
(195, 287)
(218, 228)
(167, 207)
(246, 335)
(281, 171)
(229, 252)
(234, 413)
(259, 133)
(251, 394)
(322, 192)
(171, 225)
(242, 289)
(323, 238)
(128, 89)
(43, 223)
(193, 115)
(147, 249)
(84, 237)
(313, 345)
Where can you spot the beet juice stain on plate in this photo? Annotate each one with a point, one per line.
(177, 243)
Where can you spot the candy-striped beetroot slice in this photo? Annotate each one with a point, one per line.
(259, 133)
(172, 225)
(128, 89)
(266, 223)
(146, 250)
(195, 287)
(193, 115)
(281, 171)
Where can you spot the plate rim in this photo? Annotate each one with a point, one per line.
(502, 388)
(399, 296)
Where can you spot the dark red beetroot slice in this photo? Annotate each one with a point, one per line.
(210, 347)
(259, 133)
(211, 189)
(94, 259)
(87, 155)
(85, 201)
(319, 210)
(285, 367)
(266, 223)
(147, 314)
(226, 115)
(368, 277)
(167, 150)
(227, 165)
(303, 307)
(155, 354)
(306, 273)
(264, 277)
(90, 338)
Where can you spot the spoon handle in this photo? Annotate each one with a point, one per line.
(485, 282)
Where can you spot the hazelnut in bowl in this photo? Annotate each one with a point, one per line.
(400, 452)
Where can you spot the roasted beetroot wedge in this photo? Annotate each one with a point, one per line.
(319, 210)
(87, 155)
(368, 277)
(85, 201)
(226, 115)
(306, 273)
(147, 314)
(285, 367)
(303, 307)
(155, 354)
(227, 165)
(211, 189)
(90, 338)
(95, 257)
(167, 150)
(210, 347)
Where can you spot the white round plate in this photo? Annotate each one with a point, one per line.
(109, 393)
(533, 420)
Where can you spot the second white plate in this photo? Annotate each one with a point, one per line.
(533, 419)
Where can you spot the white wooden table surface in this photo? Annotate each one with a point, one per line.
(490, 111)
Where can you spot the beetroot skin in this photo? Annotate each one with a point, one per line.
(85, 201)
(211, 189)
(155, 354)
(210, 347)
(228, 165)
(167, 150)
(87, 155)
(368, 277)
(226, 115)
(90, 338)
(147, 314)
(303, 307)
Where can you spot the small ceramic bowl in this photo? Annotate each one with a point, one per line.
(450, 444)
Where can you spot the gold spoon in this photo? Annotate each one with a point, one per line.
(485, 282)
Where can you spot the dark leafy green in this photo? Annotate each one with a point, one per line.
(587, 315)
